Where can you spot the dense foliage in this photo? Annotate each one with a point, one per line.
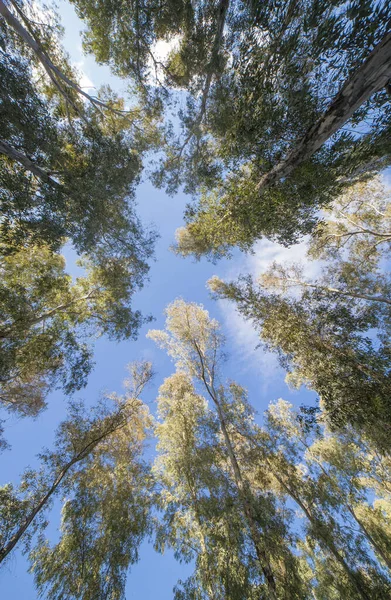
(283, 130)
(69, 165)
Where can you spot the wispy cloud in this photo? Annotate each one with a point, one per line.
(241, 333)
(84, 81)
(247, 354)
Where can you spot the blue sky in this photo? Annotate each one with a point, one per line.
(170, 277)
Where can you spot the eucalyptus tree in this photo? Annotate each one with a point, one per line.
(325, 475)
(345, 464)
(195, 342)
(283, 100)
(353, 241)
(68, 168)
(97, 463)
(327, 348)
(47, 321)
(202, 518)
(264, 121)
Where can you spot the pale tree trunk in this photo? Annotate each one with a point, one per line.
(194, 496)
(27, 163)
(55, 74)
(222, 14)
(245, 495)
(372, 76)
(331, 547)
(325, 288)
(6, 332)
(246, 500)
(373, 543)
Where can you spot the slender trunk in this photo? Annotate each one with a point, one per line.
(16, 537)
(43, 501)
(324, 539)
(372, 76)
(350, 509)
(193, 493)
(27, 163)
(60, 308)
(55, 74)
(376, 547)
(222, 14)
(241, 484)
(338, 291)
(247, 506)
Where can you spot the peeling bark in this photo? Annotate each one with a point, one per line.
(373, 75)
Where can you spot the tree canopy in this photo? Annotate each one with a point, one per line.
(286, 104)
(275, 118)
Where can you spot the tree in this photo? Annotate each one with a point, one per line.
(202, 518)
(46, 321)
(68, 170)
(353, 240)
(87, 444)
(68, 173)
(195, 342)
(324, 475)
(283, 101)
(327, 349)
(283, 149)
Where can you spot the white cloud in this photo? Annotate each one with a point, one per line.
(84, 81)
(266, 252)
(241, 333)
(244, 340)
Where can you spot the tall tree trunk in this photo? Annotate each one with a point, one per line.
(242, 487)
(325, 288)
(352, 576)
(248, 509)
(222, 14)
(6, 332)
(373, 75)
(55, 74)
(371, 540)
(244, 495)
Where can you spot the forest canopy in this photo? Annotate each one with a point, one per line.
(270, 124)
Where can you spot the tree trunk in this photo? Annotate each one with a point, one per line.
(373, 75)
(247, 507)
(325, 288)
(330, 546)
(55, 74)
(244, 495)
(6, 332)
(376, 547)
(27, 163)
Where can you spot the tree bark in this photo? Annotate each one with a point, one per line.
(371, 540)
(54, 73)
(333, 550)
(6, 332)
(373, 75)
(27, 163)
(241, 484)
